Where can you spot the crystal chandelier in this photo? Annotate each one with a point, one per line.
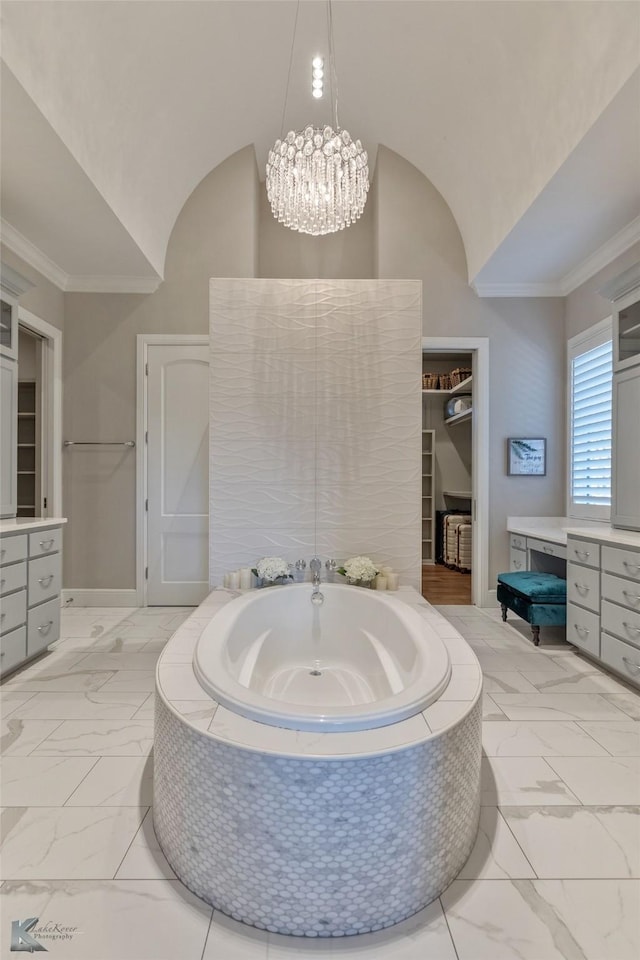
(318, 178)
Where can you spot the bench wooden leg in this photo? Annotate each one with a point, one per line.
(536, 635)
(504, 609)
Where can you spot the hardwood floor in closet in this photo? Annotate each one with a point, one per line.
(443, 586)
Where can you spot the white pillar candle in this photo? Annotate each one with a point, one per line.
(225, 581)
(245, 578)
(234, 580)
(385, 571)
(381, 582)
(392, 581)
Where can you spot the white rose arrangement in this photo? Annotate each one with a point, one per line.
(271, 568)
(359, 568)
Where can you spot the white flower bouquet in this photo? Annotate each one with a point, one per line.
(272, 569)
(359, 569)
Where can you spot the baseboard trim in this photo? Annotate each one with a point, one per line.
(99, 598)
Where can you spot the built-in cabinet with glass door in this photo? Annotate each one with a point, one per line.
(8, 402)
(625, 492)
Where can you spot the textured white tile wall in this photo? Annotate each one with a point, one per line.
(315, 421)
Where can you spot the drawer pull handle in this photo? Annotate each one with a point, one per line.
(581, 631)
(631, 567)
(48, 578)
(630, 628)
(44, 628)
(631, 597)
(582, 554)
(582, 589)
(47, 544)
(632, 664)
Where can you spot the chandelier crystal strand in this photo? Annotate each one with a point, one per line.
(317, 180)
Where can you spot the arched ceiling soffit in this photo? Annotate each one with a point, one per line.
(486, 99)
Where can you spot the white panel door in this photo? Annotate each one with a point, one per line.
(178, 475)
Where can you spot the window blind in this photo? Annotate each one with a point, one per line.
(591, 377)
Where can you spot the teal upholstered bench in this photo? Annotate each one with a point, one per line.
(539, 598)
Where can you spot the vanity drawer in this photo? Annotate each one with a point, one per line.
(13, 649)
(583, 586)
(518, 542)
(583, 629)
(517, 559)
(45, 541)
(621, 591)
(14, 611)
(583, 551)
(623, 563)
(621, 656)
(13, 577)
(43, 626)
(622, 622)
(13, 548)
(543, 546)
(44, 578)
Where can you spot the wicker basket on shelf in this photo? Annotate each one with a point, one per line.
(430, 381)
(460, 374)
(445, 381)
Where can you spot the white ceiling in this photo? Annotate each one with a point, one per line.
(524, 115)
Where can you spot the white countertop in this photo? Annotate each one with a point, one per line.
(556, 530)
(25, 524)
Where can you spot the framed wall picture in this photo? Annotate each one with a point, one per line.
(526, 456)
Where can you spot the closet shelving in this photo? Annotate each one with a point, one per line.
(27, 448)
(428, 503)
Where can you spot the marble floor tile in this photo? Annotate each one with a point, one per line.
(113, 919)
(10, 700)
(67, 843)
(229, 940)
(58, 678)
(578, 842)
(544, 919)
(41, 781)
(147, 710)
(557, 706)
(522, 780)
(495, 681)
(575, 683)
(538, 738)
(99, 705)
(490, 709)
(506, 661)
(19, 737)
(115, 782)
(144, 860)
(101, 738)
(496, 854)
(601, 780)
(71, 610)
(620, 738)
(91, 627)
(133, 681)
(132, 660)
(629, 703)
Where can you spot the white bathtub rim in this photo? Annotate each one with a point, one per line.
(410, 702)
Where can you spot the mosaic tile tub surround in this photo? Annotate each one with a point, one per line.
(309, 834)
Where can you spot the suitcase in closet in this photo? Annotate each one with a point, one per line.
(451, 524)
(464, 547)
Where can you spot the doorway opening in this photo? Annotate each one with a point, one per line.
(454, 470)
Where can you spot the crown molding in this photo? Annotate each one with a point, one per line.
(32, 255)
(486, 290)
(113, 284)
(28, 252)
(618, 244)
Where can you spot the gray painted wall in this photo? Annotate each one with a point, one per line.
(226, 230)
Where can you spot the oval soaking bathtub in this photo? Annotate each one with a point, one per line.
(334, 829)
(357, 661)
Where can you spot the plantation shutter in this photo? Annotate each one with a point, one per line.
(591, 377)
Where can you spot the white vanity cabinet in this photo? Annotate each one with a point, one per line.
(517, 553)
(30, 585)
(583, 595)
(12, 285)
